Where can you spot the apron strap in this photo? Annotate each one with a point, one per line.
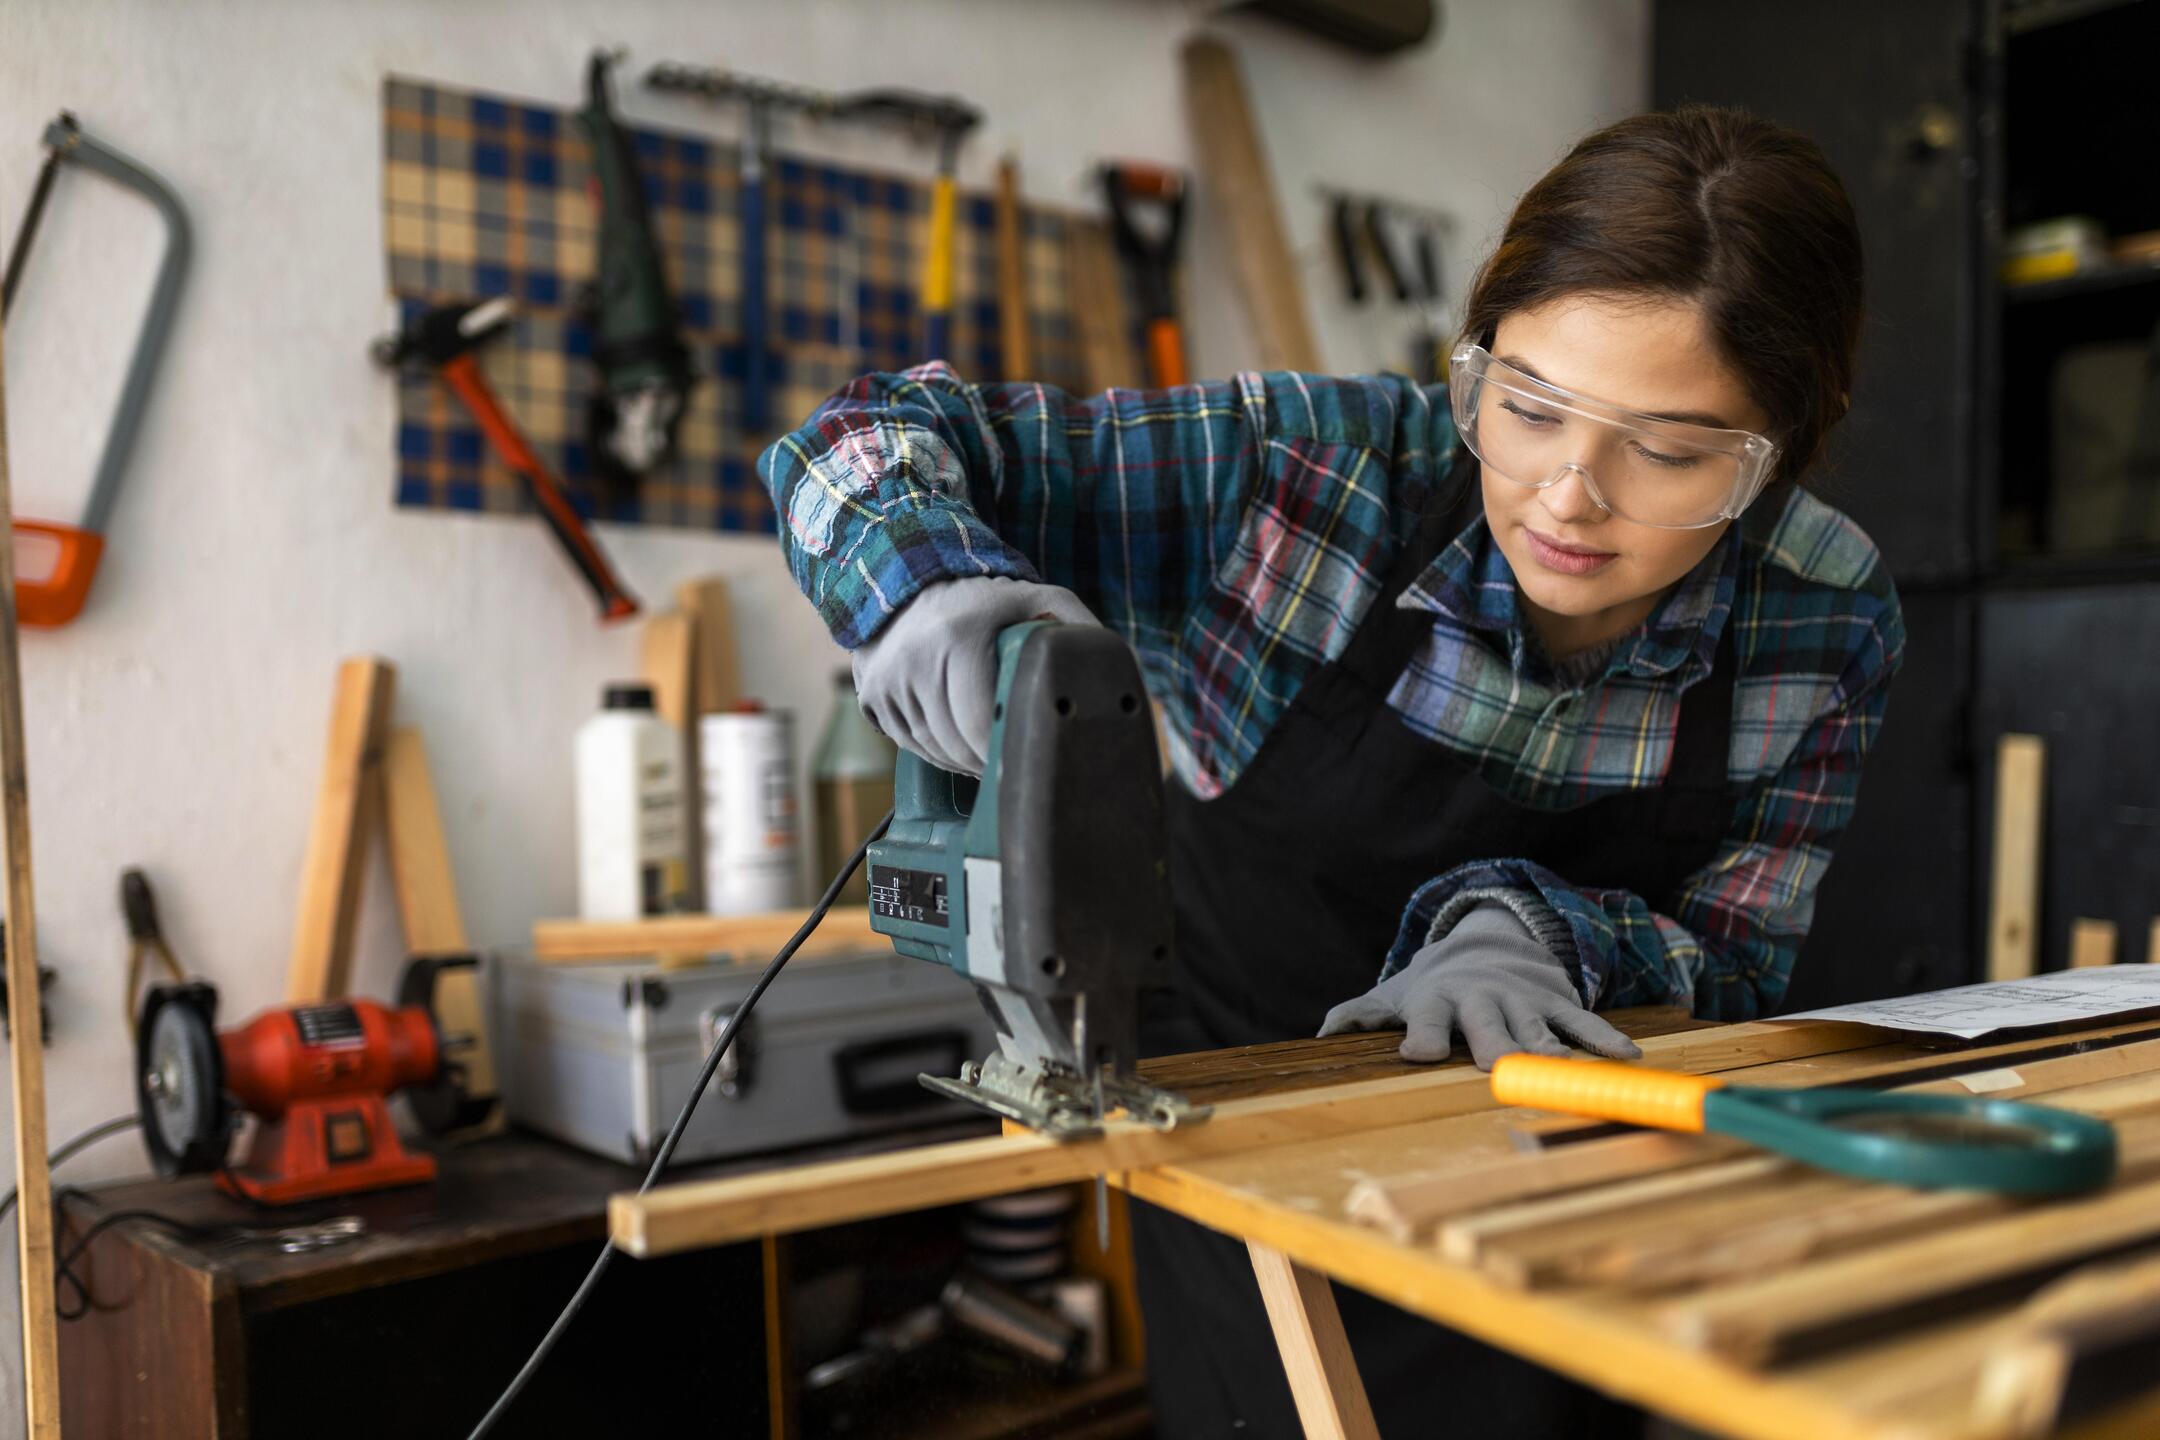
(1388, 636)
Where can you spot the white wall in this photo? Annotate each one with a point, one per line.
(180, 723)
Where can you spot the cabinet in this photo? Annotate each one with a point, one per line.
(2003, 447)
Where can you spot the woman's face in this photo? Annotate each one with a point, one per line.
(1586, 575)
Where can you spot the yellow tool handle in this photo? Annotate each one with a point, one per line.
(1604, 1090)
(937, 293)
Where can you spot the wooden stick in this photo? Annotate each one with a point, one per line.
(2020, 820)
(1234, 171)
(1098, 299)
(33, 1181)
(668, 660)
(1852, 1297)
(745, 939)
(1324, 1379)
(345, 813)
(2092, 942)
(427, 899)
(719, 665)
(1012, 276)
(713, 1212)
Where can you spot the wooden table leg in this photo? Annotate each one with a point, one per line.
(1315, 1353)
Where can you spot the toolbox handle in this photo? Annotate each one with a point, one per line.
(860, 1095)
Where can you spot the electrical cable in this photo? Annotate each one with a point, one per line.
(68, 1151)
(666, 1152)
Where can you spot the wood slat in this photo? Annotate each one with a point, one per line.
(2092, 942)
(2102, 1318)
(745, 939)
(1324, 1381)
(347, 806)
(1211, 1076)
(697, 1213)
(34, 1234)
(427, 901)
(1756, 1214)
(1847, 1299)
(2020, 823)
(1241, 189)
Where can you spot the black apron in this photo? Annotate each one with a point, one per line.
(1290, 887)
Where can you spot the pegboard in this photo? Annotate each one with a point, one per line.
(485, 196)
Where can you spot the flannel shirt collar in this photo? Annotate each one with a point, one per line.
(1471, 583)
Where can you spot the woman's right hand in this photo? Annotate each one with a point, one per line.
(929, 678)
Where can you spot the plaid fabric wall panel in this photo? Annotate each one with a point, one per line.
(484, 196)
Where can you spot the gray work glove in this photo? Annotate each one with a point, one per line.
(1496, 982)
(929, 678)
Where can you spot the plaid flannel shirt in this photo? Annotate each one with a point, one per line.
(1237, 532)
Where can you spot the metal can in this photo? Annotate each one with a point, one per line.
(753, 832)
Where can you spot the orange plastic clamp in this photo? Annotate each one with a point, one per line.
(1604, 1090)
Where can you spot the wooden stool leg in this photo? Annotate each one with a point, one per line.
(1315, 1353)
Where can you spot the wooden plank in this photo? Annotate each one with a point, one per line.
(34, 1228)
(1209, 1076)
(1405, 1207)
(1106, 349)
(427, 902)
(745, 939)
(697, 1213)
(346, 807)
(668, 661)
(1235, 176)
(1014, 339)
(1907, 1063)
(719, 663)
(2092, 942)
(1323, 1374)
(1792, 1217)
(2020, 821)
(1849, 1298)
(2097, 1318)
(1693, 1223)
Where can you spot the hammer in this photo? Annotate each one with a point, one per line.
(447, 339)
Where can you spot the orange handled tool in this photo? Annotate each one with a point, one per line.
(1930, 1141)
(447, 337)
(1152, 258)
(55, 563)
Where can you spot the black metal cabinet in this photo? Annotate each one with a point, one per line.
(1884, 89)
(1894, 914)
(2077, 668)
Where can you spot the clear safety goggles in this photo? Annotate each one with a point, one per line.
(1661, 473)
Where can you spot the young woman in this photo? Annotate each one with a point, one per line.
(1490, 705)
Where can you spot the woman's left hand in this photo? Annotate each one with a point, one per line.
(1492, 979)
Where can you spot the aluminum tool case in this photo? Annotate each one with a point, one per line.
(603, 1056)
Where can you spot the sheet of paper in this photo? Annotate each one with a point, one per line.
(2060, 998)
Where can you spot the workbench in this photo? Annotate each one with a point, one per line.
(1716, 1285)
(414, 1327)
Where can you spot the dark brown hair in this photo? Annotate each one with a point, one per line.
(1716, 206)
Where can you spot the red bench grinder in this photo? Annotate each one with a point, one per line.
(318, 1079)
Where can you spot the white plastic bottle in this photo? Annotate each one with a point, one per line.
(630, 808)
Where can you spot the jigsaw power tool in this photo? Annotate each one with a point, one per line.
(1047, 883)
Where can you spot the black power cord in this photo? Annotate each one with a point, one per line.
(666, 1152)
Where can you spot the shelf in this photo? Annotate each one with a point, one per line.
(2091, 282)
(973, 1406)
